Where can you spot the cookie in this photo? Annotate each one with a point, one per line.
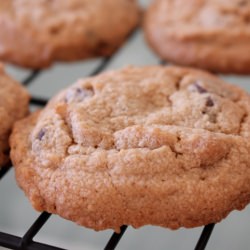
(14, 102)
(213, 35)
(36, 33)
(155, 145)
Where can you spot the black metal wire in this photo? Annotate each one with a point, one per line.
(163, 62)
(13, 242)
(9, 241)
(205, 235)
(38, 101)
(4, 170)
(101, 66)
(115, 238)
(34, 74)
(34, 229)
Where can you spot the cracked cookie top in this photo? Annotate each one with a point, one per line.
(132, 146)
(63, 30)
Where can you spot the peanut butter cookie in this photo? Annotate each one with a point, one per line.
(155, 145)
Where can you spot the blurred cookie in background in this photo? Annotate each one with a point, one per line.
(34, 34)
(209, 34)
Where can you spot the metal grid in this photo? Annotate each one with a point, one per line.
(26, 242)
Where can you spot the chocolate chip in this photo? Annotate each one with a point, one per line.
(79, 94)
(78, 90)
(209, 102)
(200, 89)
(41, 134)
(85, 92)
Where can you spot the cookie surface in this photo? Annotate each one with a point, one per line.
(209, 34)
(14, 103)
(165, 146)
(36, 33)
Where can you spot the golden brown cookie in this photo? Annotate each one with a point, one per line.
(14, 103)
(209, 34)
(36, 33)
(165, 146)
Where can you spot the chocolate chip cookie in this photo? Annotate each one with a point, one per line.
(36, 33)
(155, 145)
(213, 35)
(14, 101)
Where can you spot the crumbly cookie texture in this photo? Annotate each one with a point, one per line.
(210, 34)
(156, 145)
(14, 102)
(36, 33)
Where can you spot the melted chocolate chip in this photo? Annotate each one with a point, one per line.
(209, 102)
(79, 94)
(41, 134)
(85, 92)
(200, 89)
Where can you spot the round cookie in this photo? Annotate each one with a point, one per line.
(14, 103)
(155, 145)
(36, 33)
(214, 34)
